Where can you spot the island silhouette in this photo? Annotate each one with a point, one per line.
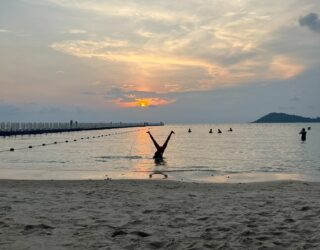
(284, 118)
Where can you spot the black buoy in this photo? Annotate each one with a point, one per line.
(43, 144)
(88, 137)
(74, 140)
(82, 138)
(55, 142)
(11, 149)
(30, 147)
(67, 141)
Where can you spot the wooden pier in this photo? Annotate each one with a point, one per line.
(32, 128)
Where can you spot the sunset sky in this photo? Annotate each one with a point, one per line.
(171, 61)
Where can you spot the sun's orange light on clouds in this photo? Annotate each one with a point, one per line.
(142, 102)
(284, 68)
(146, 58)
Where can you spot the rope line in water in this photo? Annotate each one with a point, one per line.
(67, 141)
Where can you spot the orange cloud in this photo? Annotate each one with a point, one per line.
(284, 68)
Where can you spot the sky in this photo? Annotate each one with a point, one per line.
(191, 61)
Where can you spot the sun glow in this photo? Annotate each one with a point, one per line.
(143, 103)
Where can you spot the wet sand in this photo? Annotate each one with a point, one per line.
(158, 214)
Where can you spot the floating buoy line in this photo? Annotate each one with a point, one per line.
(67, 141)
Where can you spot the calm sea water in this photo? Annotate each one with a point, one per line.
(252, 152)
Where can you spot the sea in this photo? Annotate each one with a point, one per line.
(250, 153)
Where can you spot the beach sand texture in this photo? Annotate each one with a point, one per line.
(156, 214)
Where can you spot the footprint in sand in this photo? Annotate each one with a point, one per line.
(157, 244)
(305, 208)
(138, 233)
(141, 234)
(39, 226)
(42, 228)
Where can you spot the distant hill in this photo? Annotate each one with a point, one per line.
(284, 118)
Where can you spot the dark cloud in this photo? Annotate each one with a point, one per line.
(115, 93)
(312, 21)
(121, 92)
(128, 94)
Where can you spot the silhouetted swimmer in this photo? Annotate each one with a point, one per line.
(303, 134)
(230, 130)
(210, 131)
(219, 131)
(189, 130)
(158, 155)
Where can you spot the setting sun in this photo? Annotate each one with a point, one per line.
(143, 103)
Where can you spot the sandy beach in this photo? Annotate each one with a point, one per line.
(158, 214)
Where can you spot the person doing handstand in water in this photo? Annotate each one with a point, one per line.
(158, 155)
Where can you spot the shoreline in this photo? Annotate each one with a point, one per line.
(160, 180)
(169, 175)
(158, 214)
